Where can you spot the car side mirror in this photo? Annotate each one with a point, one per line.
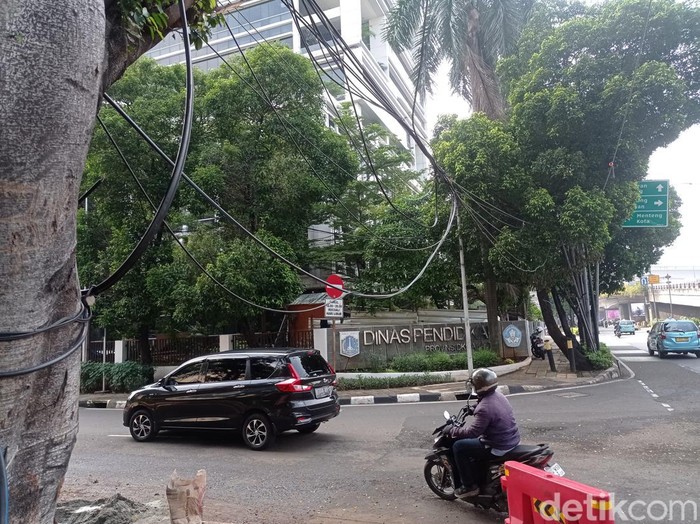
(648, 330)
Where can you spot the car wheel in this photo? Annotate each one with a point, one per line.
(258, 432)
(308, 428)
(651, 351)
(142, 426)
(697, 354)
(662, 353)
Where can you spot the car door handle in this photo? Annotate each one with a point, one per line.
(191, 391)
(238, 386)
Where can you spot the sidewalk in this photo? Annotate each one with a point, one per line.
(531, 375)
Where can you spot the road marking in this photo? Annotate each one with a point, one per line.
(118, 435)
(654, 395)
(638, 359)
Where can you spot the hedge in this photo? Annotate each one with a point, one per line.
(119, 378)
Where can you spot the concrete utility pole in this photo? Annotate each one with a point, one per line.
(465, 301)
(670, 302)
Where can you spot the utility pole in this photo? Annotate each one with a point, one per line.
(465, 301)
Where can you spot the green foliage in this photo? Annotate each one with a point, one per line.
(403, 381)
(119, 378)
(150, 17)
(269, 169)
(601, 359)
(438, 361)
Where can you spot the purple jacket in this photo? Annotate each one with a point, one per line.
(494, 421)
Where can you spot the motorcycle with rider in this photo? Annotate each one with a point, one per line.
(467, 460)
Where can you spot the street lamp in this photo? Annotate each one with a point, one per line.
(670, 302)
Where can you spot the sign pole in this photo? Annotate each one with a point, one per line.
(333, 343)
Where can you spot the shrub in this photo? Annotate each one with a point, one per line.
(484, 358)
(420, 362)
(402, 381)
(601, 359)
(119, 378)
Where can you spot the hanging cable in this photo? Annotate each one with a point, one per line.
(251, 235)
(176, 175)
(182, 246)
(261, 93)
(82, 317)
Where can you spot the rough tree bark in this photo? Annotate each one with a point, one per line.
(55, 60)
(558, 337)
(51, 65)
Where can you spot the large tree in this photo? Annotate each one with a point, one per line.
(609, 84)
(472, 35)
(267, 160)
(56, 58)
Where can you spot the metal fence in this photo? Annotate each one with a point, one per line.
(96, 349)
(298, 339)
(174, 351)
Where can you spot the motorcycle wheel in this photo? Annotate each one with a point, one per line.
(439, 479)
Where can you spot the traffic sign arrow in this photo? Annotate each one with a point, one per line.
(660, 188)
(658, 203)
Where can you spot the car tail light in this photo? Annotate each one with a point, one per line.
(335, 380)
(293, 385)
(662, 336)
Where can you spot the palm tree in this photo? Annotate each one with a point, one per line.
(470, 34)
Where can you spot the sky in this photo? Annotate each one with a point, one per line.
(679, 163)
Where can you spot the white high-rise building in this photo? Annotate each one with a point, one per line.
(359, 22)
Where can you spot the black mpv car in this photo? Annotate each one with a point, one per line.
(259, 392)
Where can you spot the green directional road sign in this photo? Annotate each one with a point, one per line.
(652, 206)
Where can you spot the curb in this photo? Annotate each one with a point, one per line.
(609, 374)
(111, 403)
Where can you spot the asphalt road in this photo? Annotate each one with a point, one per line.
(636, 438)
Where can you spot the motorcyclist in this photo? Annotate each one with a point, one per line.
(492, 432)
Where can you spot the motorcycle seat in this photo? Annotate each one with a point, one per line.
(521, 452)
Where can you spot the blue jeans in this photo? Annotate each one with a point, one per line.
(468, 454)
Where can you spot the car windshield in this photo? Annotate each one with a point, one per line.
(310, 364)
(680, 326)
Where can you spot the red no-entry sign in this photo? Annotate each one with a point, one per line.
(334, 280)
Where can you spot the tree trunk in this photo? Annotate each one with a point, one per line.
(563, 317)
(51, 64)
(144, 346)
(548, 315)
(491, 287)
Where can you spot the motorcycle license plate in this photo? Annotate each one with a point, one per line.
(555, 469)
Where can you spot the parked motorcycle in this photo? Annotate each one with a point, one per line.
(537, 344)
(439, 470)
